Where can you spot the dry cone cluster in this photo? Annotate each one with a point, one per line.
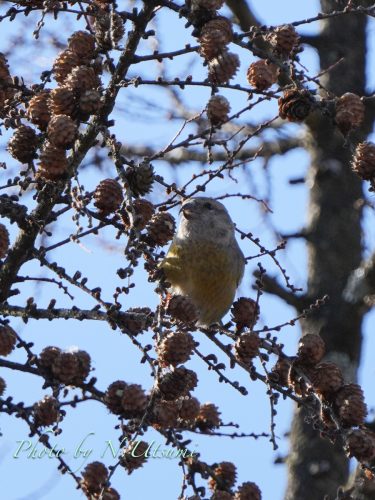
(364, 160)
(262, 75)
(180, 307)
(284, 40)
(57, 112)
(7, 92)
(46, 412)
(349, 112)
(176, 348)
(217, 109)
(245, 312)
(108, 196)
(296, 105)
(342, 405)
(160, 229)
(144, 211)
(216, 32)
(70, 368)
(140, 178)
(8, 340)
(94, 476)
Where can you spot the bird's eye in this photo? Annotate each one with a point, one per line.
(209, 206)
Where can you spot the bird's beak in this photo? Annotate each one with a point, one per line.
(187, 209)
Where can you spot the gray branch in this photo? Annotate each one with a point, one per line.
(177, 157)
(361, 282)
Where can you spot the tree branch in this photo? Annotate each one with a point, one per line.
(242, 11)
(177, 157)
(361, 283)
(272, 287)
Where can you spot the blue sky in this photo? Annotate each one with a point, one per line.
(114, 357)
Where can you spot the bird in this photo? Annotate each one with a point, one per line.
(204, 260)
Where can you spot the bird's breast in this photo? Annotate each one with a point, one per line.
(204, 271)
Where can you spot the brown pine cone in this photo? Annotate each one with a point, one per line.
(4, 67)
(176, 348)
(6, 77)
(281, 369)
(23, 145)
(109, 30)
(327, 379)
(208, 417)
(4, 241)
(38, 111)
(247, 347)
(82, 43)
(2, 99)
(134, 401)
(352, 409)
(111, 494)
(8, 339)
(364, 160)
(62, 101)
(180, 307)
(223, 68)
(360, 443)
(262, 75)
(165, 414)
(161, 229)
(82, 78)
(349, 112)
(138, 324)
(2, 386)
(284, 40)
(248, 491)
(311, 349)
(144, 209)
(65, 366)
(48, 356)
(296, 105)
(90, 102)
(226, 473)
(221, 495)
(113, 396)
(52, 162)
(297, 382)
(108, 195)
(94, 475)
(215, 36)
(177, 383)
(140, 179)
(64, 63)
(83, 367)
(189, 410)
(62, 131)
(217, 109)
(134, 455)
(207, 4)
(245, 312)
(46, 412)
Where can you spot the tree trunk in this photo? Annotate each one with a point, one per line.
(316, 467)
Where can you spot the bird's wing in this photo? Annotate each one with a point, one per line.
(240, 263)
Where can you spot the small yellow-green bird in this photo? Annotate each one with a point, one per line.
(204, 260)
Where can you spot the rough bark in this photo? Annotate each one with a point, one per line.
(316, 467)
